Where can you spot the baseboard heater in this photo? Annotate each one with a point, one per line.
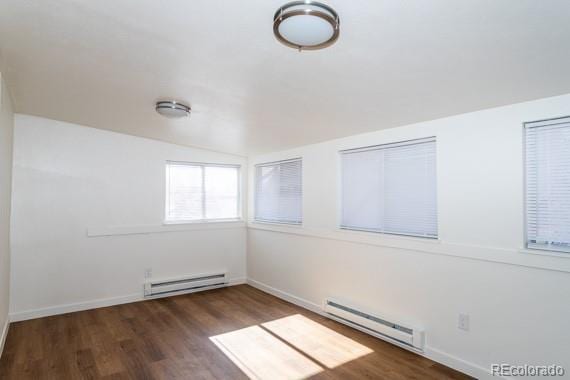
(374, 325)
(185, 284)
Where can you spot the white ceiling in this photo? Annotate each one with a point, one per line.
(104, 63)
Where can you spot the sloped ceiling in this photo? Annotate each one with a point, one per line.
(104, 63)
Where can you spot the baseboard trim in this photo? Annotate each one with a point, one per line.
(429, 352)
(286, 296)
(4, 335)
(460, 364)
(73, 307)
(88, 305)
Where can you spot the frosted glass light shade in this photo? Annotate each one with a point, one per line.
(306, 25)
(306, 30)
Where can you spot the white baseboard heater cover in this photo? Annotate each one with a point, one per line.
(375, 325)
(185, 284)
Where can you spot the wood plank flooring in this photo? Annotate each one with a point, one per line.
(199, 336)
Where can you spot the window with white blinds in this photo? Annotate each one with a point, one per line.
(548, 184)
(197, 192)
(279, 192)
(391, 188)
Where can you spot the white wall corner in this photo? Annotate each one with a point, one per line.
(287, 296)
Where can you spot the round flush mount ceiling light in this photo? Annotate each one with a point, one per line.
(172, 109)
(306, 25)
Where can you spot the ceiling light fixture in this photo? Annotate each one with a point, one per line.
(306, 25)
(172, 109)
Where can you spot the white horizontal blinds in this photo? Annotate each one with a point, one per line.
(201, 192)
(279, 192)
(548, 184)
(391, 188)
(362, 184)
(410, 197)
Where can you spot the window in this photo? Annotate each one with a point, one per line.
(201, 192)
(548, 184)
(278, 192)
(390, 188)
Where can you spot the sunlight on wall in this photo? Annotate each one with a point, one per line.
(317, 341)
(283, 348)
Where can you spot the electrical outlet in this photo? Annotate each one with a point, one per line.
(463, 322)
(148, 273)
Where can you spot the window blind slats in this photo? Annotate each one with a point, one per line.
(548, 184)
(278, 192)
(201, 192)
(391, 189)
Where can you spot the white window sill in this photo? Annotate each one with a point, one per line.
(388, 236)
(379, 239)
(533, 259)
(162, 228)
(544, 252)
(277, 224)
(201, 221)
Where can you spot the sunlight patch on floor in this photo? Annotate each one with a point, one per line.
(317, 341)
(293, 347)
(261, 355)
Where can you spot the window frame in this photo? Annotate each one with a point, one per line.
(340, 206)
(536, 249)
(202, 165)
(276, 222)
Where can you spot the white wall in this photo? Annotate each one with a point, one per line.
(71, 180)
(6, 140)
(517, 300)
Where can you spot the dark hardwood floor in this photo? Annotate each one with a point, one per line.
(171, 338)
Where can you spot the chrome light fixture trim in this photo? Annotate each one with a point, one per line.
(316, 9)
(172, 108)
